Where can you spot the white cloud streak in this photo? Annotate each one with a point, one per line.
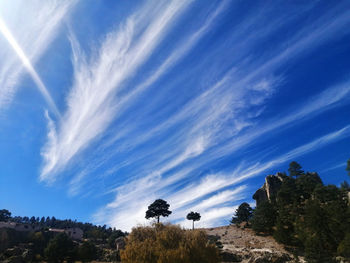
(27, 64)
(204, 189)
(207, 127)
(36, 25)
(90, 102)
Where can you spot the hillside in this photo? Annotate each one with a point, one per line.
(243, 245)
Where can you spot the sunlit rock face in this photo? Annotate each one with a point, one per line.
(269, 189)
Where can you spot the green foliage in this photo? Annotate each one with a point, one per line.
(314, 252)
(60, 248)
(295, 169)
(40, 241)
(168, 244)
(87, 252)
(243, 214)
(306, 183)
(309, 215)
(56, 248)
(348, 167)
(194, 216)
(157, 209)
(344, 247)
(5, 215)
(284, 232)
(264, 218)
(345, 186)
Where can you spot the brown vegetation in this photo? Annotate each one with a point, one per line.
(168, 244)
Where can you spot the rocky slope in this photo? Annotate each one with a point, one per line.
(242, 245)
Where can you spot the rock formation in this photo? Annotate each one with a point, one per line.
(242, 245)
(270, 188)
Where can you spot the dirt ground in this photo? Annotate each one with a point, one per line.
(234, 238)
(243, 245)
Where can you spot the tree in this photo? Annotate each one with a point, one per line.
(348, 167)
(87, 252)
(243, 213)
(32, 220)
(264, 218)
(60, 248)
(344, 247)
(157, 209)
(345, 186)
(194, 216)
(42, 221)
(5, 215)
(295, 169)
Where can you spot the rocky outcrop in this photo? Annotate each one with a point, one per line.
(270, 188)
(242, 245)
(16, 255)
(120, 243)
(256, 256)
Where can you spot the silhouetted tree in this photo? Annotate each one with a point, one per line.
(157, 209)
(295, 169)
(345, 186)
(194, 216)
(5, 215)
(32, 220)
(348, 167)
(243, 214)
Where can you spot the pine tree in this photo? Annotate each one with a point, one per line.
(264, 218)
(194, 216)
(157, 209)
(295, 169)
(243, 214)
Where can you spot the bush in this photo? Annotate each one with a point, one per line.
(60, 248)
(344, 247)
(168, 244)
(87, 252)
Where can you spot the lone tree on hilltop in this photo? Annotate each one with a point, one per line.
(295, 169)
(243, 214)
(194, 216)
(157, 209)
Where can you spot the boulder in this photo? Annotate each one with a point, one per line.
(27, 255)
(120, 243)
(14, 259)
(268, 191)
(16, 251)
(228, 256)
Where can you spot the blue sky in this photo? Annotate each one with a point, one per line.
(106, 106)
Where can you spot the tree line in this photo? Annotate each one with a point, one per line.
(305, 215)
(90, 230)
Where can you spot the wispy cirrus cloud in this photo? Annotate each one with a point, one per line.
(154, 138)
(90, 103)
(206, 195)
(36, 25)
